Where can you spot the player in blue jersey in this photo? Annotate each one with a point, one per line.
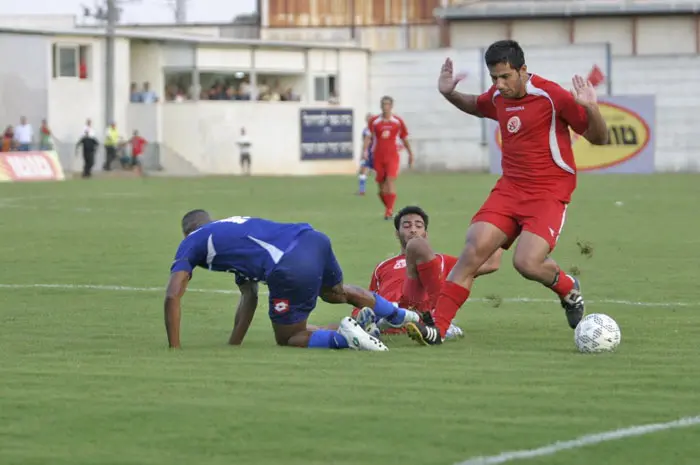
(366, 162)
(298, 265)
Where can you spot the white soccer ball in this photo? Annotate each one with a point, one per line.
(597, 333)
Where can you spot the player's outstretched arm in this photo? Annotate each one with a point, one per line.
(245, 312)
(173, 294)
(447, 85)
(585, 95)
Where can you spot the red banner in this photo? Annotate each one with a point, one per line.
(30, 166)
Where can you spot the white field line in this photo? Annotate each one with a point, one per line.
(582, 441)
(115, 288)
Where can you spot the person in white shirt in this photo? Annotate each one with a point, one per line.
(244, 145)
(88, 130)
(24, 134)
(148, 96)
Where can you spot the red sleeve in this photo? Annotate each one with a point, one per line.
(374, 281)
(484, 103)
(570, 112)
(370, 125)
(403, 130)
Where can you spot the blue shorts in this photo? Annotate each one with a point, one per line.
(369, 163)
(298, 278)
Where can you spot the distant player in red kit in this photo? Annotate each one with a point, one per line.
(385, 130)
(539, 175)
(412, 279)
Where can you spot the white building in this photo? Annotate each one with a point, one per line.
(60, 75)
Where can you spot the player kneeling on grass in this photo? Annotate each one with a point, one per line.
(413, 278)
(297, 263)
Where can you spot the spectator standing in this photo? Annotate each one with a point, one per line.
(45, 137)
(89, 144)
(8, 140)
(244, 145)
(24, 135)
(138, 146)
(111, 145)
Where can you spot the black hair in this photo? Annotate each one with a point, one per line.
(506, 52)
(411, 210)
(194, 220)
(386, 98)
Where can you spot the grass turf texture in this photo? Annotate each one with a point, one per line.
(86, 377)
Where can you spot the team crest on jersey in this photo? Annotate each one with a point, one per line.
(513, 125)
(400, 264)
(280, 306)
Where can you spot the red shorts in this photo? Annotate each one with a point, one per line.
(386, 168)
(506, 209)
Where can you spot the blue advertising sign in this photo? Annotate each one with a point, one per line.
(326, 134)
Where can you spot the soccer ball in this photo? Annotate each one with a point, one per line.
(597, 333)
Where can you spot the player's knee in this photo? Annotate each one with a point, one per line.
(527, 265)
(418, 250)
(334, 295)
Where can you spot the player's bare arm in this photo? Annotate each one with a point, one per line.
(245, 312)
(447, 84)
(177, 285)
(585, 95)
(409, 150)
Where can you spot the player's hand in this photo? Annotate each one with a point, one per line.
(584, 93)
(447, 82)
(410, 160)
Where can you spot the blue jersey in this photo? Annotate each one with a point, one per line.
(367, 133)
(248, 247)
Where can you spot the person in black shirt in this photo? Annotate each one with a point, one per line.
(90, 145)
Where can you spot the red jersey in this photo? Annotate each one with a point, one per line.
(385, 133)
(389, 275)
(137, 145)
(537, 155)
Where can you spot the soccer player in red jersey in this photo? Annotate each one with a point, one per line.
(539, 175)
(385, 129)
(412, 279)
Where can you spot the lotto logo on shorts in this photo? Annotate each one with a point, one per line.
(280, 305)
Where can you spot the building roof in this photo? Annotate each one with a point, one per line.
(178, 37)
(498, 9)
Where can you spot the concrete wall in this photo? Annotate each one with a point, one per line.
(24, 85)
(73, 100)
(205, 133)
(627, 36)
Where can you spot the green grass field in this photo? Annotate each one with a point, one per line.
(86, 378)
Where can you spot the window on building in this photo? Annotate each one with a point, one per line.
(225, 85)
(325, 89)
(281, 87)
(71, 61)
(178, 86)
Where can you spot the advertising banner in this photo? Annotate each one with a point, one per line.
(30, 166)
(631, 128)
(326, 134)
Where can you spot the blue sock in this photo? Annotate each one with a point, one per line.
(327, 339)
(385, 309)
(363, 182)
